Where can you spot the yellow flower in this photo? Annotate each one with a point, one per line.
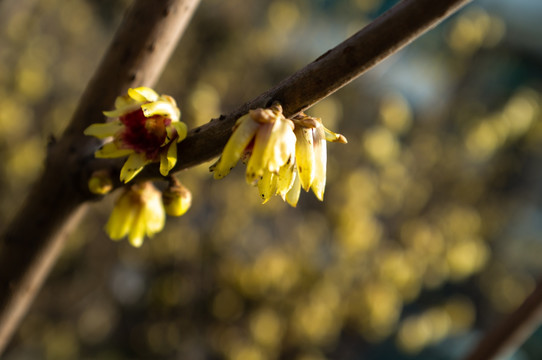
(283, 155)
(266, 137)
(137, 212)
(145, 127)
(311, 152)
(311, 157)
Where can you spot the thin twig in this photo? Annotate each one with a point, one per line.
(33, 240)
(512, 331)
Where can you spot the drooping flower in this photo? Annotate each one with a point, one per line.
(145, 127)
(311, 152)
(284, 155)
(138, 212)
(265, 137)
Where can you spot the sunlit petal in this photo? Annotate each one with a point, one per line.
(124, 101)
(180, 128)
(239, 140)
(258, 161)
(267, 186)
(285, 179)
(143, 94)
(304, 149)
(281, 145)
(168, 159)
(293, 194)
(132, 167)
(163, 108)
(102, 131)
(111, 150)
(320, 163)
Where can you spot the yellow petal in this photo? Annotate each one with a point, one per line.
(304, 153)
(180, 128)
(320, 163)
(267, 186)
(293, 194)
(143, 94)
(122, 217)
(281, 145)
(124, 101)
(257, 163)
(101, 131)
(285, 179)
(155, 216)
(132, 167)
(111, 150)
(239, 140)
(334, 137)
(138, 230)
(163, 108)
(168, 159)
(121, 111)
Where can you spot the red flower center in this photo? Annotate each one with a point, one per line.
(144, 134)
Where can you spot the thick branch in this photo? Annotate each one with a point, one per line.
(33, 240)
(513, 331)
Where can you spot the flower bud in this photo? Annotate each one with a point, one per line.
(176, 198)
(100, 182)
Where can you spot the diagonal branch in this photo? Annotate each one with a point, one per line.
(35, 237)
(386, 35)
(513, 331)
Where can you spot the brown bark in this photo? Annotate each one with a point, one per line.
(35, 237)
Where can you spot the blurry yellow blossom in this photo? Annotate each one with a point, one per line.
(177, 198)
(137, 212)
(146, 128)
(100, 182)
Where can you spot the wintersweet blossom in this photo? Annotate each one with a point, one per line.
(138, 212)
(265, 137)
(145, 127)
(311, 152)
(284, 155)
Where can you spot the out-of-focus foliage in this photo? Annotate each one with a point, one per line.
(429, 231)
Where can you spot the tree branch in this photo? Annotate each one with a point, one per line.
(385, 36)
(513, 331)
(35, 237)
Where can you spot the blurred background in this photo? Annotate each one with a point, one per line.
(430, 229)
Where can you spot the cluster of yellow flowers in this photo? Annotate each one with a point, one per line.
(282, 155)
(141, 210)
